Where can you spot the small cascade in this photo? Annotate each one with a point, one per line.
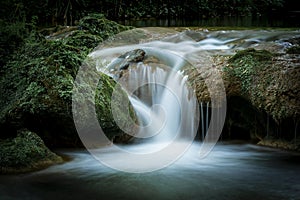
(162, 102)
(204, 110)
(207, 109)
(158, 90)
(202, 122)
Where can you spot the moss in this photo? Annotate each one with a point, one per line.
(97, 24)
(36, 85)
(25, 152)
(258, 55)
(267, 81)
(246, 64)
(83, 40)
(101, 101)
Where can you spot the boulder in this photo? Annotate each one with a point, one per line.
(26, 152)
(37, 84)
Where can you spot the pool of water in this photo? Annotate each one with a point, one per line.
(230, 171)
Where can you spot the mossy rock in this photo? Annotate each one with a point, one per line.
(26, 152)
(268, 85)
(36, 85)
(268, 81)
(257, 55)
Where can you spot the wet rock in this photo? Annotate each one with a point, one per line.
(133, 56)
(281, 144)
(128, 59)
(136, 55)
(124, 66)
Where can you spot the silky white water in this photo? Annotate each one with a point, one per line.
(166, 107)
(232, 170)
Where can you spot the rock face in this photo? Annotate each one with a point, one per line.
(269, 81)
(26, 152)
(262, 94)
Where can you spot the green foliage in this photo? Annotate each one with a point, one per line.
(97, 24)
(25, 152)
(83, 40)
(67, 12)
(12, 37)
(186, 9)
(104, 90)
(103, 102)
(37, 83)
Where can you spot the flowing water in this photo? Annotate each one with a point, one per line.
(169, 115)
(231, 171)
(159, 91)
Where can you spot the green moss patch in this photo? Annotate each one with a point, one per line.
(36, 85)
(268, 81)
(24, 153)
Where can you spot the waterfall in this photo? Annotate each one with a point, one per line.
(164, 104)
(202, 122)
(207, 109)
(205, 120)
(158, 89)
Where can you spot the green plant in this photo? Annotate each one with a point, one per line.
(37, 83)
(25, 152)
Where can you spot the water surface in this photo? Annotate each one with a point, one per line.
(231, 171)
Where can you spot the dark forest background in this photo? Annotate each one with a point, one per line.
(68, 12)
(20, 18)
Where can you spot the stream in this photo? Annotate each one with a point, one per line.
(231, 171)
